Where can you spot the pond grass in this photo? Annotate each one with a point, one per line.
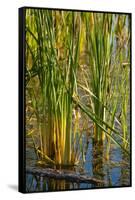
(55, 42)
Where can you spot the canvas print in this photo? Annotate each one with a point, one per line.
(75, 99)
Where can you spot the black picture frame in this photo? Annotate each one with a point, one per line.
(22, 99)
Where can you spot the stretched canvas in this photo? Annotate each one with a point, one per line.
(74, 99)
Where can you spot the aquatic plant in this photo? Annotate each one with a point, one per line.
(55, 59)
(61, 85)
(102, 75)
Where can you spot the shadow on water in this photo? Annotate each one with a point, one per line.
(39, 184)
(97, 157)
(113, 172)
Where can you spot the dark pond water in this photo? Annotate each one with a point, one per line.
(114, 171)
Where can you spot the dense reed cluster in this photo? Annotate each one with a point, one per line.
(77, 70)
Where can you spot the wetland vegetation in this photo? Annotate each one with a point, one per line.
(77, 80)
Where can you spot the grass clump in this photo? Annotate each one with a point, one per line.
(62, 84)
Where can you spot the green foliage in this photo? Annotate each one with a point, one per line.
(57, 75)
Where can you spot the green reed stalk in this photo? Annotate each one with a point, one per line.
(55, 58)
(99, 29)
(55, 42)
(123, 37)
